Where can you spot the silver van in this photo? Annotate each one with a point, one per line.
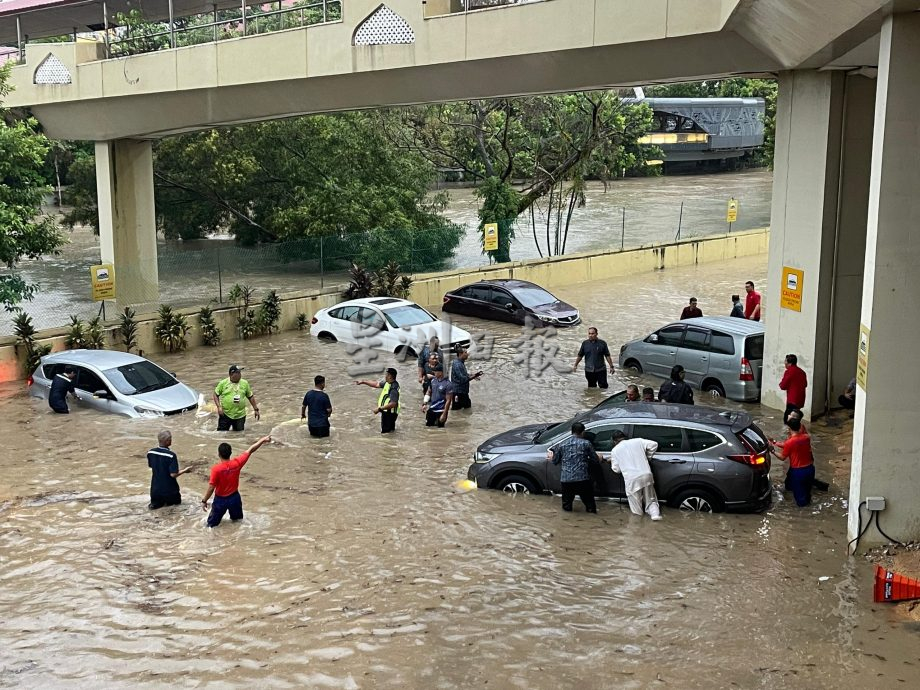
(720, 354)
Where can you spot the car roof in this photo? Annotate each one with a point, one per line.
(378, 302)
(101, 359)
(506, 283)
(637, 412)
(728, 324)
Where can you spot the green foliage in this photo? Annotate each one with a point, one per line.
(24, 230)
(95, 334)
(76, 337)
(127, 329)
(241, 296)
(25, 337)
(171, 329)
(500, 204)
(387, 282)
(269, 313)
(210, 333)
(303, 322)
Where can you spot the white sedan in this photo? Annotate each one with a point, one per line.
(386, 323)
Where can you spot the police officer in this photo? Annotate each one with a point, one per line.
(387, 401)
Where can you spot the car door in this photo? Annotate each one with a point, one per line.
(459, 301)
(343, 320)
(671, 465)
(601, 437)
(661, 352)
(478, 302)
(87, 384)
(499, 301)
(693, 355)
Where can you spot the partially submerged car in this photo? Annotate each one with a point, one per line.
(515, 301)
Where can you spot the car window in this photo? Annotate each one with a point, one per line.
(721, 343)
(500, 297)
(533, 296)
(347, 313)
(753, 347)
(699, 440)
(754, 438)
(463, 292)
(670, 439)
(480, 292)
(696, 339)
(408, 315)
(602, 436)
(370, 318)
(88, 381)
(52, 370)
(139, 377)
(670, 336)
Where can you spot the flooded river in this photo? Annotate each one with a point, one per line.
(361, 565)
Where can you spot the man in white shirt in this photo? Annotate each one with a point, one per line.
(630, 458)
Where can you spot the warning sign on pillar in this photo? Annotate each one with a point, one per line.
(791, 290)
(103, 279)
(490, 237)
(862, 357)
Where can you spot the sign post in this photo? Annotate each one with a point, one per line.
(102, 277)
(490, 237)
(731, 214)
(790, 295)
(862, 358)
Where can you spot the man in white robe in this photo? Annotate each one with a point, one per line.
(630, 458)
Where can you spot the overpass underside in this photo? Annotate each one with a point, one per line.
(846, 209)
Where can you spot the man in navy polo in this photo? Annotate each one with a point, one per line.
(61, 385)
(164, 468)
(442, 397)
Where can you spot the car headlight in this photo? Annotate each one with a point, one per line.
(482, 458)
(147, 412)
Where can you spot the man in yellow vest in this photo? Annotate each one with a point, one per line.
(387, 402)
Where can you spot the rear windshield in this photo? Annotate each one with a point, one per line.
(753, 437)
(533, 296)
(139, 377)
(753, 347)
(403, 317)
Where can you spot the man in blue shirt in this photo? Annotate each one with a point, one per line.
(433, 347)
(460, 377)
(442, 397)
(164, 466)
(61, 385)
(319, 405)
(577, 456)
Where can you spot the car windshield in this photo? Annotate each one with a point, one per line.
(409, 315)
(554, 430)
(533, 296)
(139, 377)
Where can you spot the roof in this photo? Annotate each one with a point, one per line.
(379, 302)
(101, 359)
(729, 324)
(505, 282)
(671, 412)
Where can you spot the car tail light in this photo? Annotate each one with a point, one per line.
(753, 459)
(747, 373)
(313, 321)
(446, 299)
(30, 380)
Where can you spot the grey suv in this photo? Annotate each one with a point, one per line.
(707, 460)
(720, 354)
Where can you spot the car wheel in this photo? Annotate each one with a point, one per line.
(633, 364)
(406, 352)
(517, 484)
(327, 336)
(714, 388)
(697, 500)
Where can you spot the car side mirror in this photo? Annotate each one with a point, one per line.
(509, 306)
(174, 375)
(653, 338)
(102, 394)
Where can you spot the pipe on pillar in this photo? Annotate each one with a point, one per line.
(172, 26)
(19, 45)
(243, 3)
(105, 26)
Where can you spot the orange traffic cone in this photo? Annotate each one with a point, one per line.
(891, 586)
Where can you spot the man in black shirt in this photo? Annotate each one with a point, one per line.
(594, 351)
(676, 390)
(319, 406)
(61, 385)
(164, 466)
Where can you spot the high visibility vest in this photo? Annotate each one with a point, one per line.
(384, 399)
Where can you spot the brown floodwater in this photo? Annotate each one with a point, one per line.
(360, 564)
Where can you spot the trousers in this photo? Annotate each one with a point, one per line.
(644, 500)
(584, 490)
(222, 504)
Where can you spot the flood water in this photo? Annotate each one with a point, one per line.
(191, 274)
(360, 564)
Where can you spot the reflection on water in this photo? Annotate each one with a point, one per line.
(360, 564)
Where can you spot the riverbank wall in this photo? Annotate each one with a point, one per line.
(428, 289)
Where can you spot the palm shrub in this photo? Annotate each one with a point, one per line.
(361, 284)
(210, 333)
(127, 329)
(171, 329)
(302, 322)
(241, 296)
(387, 282)
(76, 335)
(269, 313)
(95, 335)
(25, 333)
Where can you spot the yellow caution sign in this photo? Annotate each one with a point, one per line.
(731, 215)
(490, 237)
(103, 280)
(791, 290)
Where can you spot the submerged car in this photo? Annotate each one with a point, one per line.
(386, 323)
(116, 382)
(708, 460)
(720, 355)
(510, 300)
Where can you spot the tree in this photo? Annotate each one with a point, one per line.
(24, 230)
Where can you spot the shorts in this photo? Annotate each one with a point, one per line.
(318, 431)
(160, 500)
(222, 504)
(597, 379)
(434, 419)
(387, 422)
(224, 423)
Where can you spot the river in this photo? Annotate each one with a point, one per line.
(360, 564)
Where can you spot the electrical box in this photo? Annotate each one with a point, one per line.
(875, 503)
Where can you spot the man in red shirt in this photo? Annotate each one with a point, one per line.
(794, 382)
(797, 449)
(224, 483)
(691, 311)
(751, 302)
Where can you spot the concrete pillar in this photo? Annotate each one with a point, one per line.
(127, 221)
(820, 202)
(886, 442)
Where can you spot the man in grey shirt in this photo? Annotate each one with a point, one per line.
(594, 351)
